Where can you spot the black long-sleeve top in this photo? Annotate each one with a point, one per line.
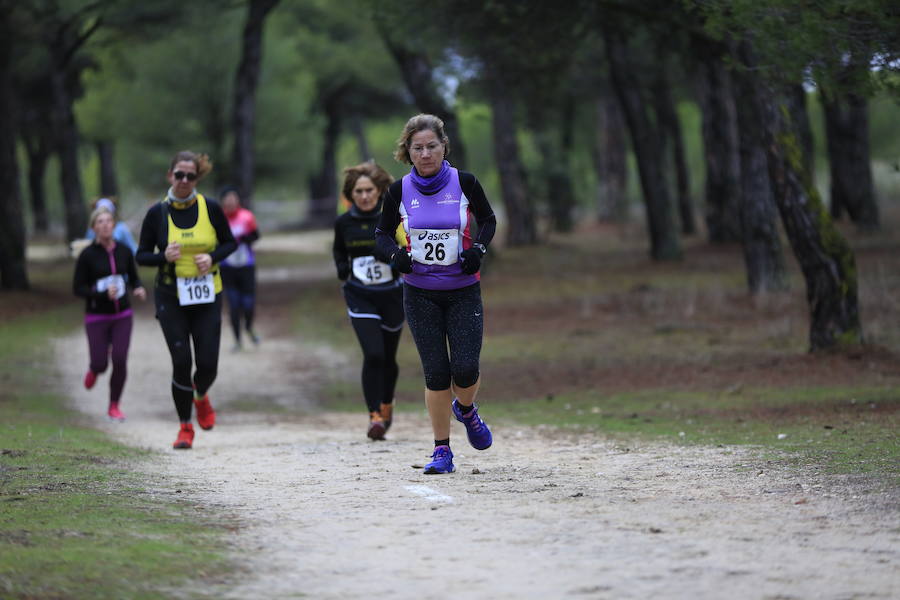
(354, 236)
(154, 236)
(478, 202)
(94, 264)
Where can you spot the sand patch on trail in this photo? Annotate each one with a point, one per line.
(321, 512)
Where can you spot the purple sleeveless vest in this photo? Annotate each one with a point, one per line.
(437, 230)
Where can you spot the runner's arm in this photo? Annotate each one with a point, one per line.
(481, 208)
(219, 221)
(339, 251)
(390, 219)
(146, 253)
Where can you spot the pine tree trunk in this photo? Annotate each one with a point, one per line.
(418, 75)
(106, 155)
(67, 149)
(520, 216)
(721, 148)
(357, 127)
(323, 185)
(246, 81)
(38, 154)
(646, 141)
(847, 133)
(667, 119)
(827, 261)
(610, 160)
(763, 256)
(13, 271)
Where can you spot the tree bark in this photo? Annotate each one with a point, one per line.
(827, 261)
(610, 160)
(323, 185)
(418, 75)
(668, 121)
(552, 129)
(763, 257)
(645, 140)
(67, 149)
(520, 215)
(357, 127)
(38, 149)
(721, 147)
(108, 182)
(847, 135)
(13, 271)
(246, 81)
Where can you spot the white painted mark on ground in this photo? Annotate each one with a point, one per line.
(428, 493)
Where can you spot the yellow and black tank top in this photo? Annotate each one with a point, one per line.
(199, 239)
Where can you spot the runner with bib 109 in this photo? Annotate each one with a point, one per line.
(187, 236)
(436, 204)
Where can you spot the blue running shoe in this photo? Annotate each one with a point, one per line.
(479, 435)
(441, 461)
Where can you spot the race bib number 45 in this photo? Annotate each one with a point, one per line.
(196, 290)
(434, 246)
(370, 271)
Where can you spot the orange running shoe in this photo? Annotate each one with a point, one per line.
(376, 426)
(185, 437)
(206, 416)
(387, 415)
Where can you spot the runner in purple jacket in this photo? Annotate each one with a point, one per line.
(437, 204)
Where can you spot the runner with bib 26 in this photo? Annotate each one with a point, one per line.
(436, 205)
(186, 236)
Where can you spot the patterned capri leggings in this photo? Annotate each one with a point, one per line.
(439, 319)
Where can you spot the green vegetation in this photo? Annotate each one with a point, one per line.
(75, 519)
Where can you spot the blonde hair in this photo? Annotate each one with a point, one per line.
(99, 211)
(418, 123)
(201, 161)
(381, 178)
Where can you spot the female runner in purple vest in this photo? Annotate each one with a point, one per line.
(436, 204)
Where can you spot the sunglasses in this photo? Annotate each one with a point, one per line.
(182, 175)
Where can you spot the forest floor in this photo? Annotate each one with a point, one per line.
(314, 509)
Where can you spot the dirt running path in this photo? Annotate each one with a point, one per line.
(323, 513)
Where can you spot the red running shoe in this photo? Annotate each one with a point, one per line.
(114, 413)
(90, 378)
(376, 426)
(206, 416)
(185, 438)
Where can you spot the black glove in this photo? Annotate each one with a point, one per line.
(402, 261)
(343, 271)
(471, 260)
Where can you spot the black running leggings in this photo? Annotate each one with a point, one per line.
(380, 370)
(438, 318)
(202, 324)
(240, 287)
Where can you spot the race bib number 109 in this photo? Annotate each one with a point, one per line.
(196, 290)
(434, 246)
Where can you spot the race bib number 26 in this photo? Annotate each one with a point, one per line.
(196, 290)
(434, 246)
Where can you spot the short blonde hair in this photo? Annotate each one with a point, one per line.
(418, 123)
(99, 211)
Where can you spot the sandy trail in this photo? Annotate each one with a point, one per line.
(321, 512)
